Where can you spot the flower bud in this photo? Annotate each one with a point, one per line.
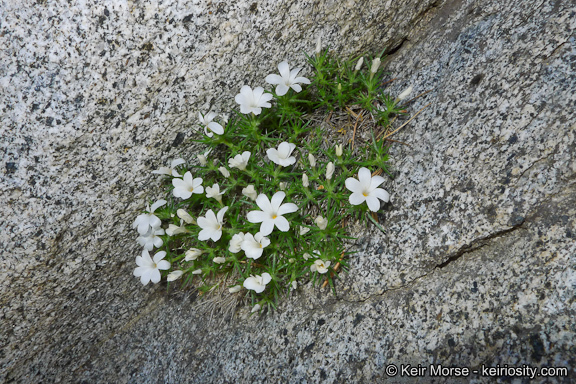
(197, 272)
(339, 87)
(202, 159)
(305, 181)
(304, 230)
(321, 222)
(219, 260)
(256, 308)
(174, 275)
(404, 93)
(182, 214)
(236, 242)
(235, 289)
(282, 186)
(375, 65)
(224, 172)
(294, 284)
(250, 192)
(359, 64)
(339, 150)
(329, 170)
(174, 230)
(312, 160)
(192, 254)
(318, 45)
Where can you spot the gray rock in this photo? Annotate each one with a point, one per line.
(477, 265)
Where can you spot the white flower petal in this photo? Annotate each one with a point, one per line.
(282, 89)
(277, 200)
(357, 198)
(287, 208)
(267, 227)
(373, 203)
(273, 79)
(282, 224)
(157, 204)
(256, 216)
(284, 70)
(382, 194)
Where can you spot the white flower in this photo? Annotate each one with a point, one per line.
(252, 101)
(236, 243)
(321, 222)
(366, 189)
(183, 215)
(210, 126)
(146, 220)
(240, 161)
(174, 275)
(149, 269)
(320, 266)
(170, 170)
(287, 79)
(304, 230)
(404, 93)
(197, 272)
(151, 239)
(214, 192)
(235, 289)
(312, 160)
(305, 182)
(359, 64)
(375, 65)
(254, 246)
(329, 170)
(211, 225)
(256, 308)
(257, 283)
(187, 186)
(219, 260)
(250, 192)
(339, 150)
(174, 230)
(271, 213)
(224, 172)
(281, 156)
(192, 254)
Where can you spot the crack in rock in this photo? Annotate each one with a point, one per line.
(477, 244)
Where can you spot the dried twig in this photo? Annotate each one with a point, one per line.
(403, 125)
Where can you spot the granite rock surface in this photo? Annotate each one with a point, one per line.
(478, 262)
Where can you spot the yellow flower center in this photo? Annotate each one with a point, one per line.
(365, 194)
(274, 216)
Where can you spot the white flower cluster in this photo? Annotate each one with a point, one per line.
(271, 211)
(270, 216)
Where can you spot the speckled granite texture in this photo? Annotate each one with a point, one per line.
(477, 266)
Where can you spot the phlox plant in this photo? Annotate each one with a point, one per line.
(266, 206)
